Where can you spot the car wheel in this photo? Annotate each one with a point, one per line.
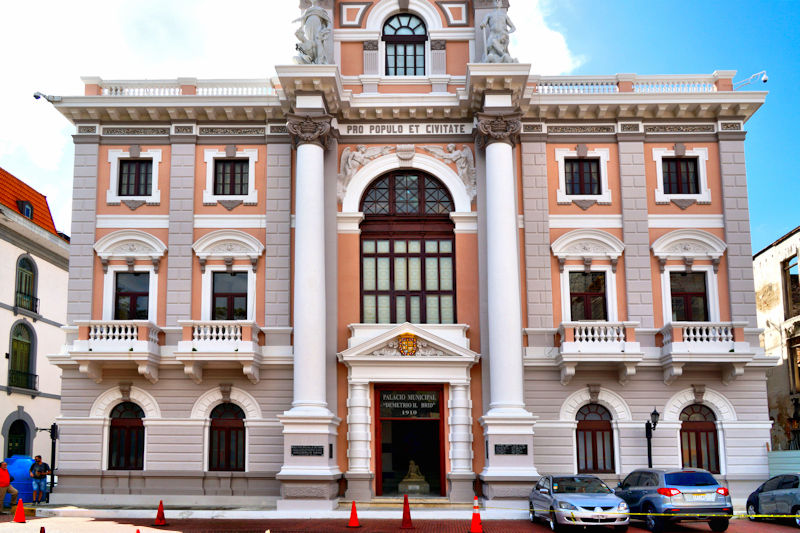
(554, 525)
(718, 524)
(752, 512)
(531, 513)
(652, 522)
(796, 512)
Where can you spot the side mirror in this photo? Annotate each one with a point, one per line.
(544, 491)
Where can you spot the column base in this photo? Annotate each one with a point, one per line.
(461, 487)
(359, 486)
(509, 472)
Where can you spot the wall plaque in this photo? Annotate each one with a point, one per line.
(511, 449)
(308, 451)
(405, 128)
(409, 404)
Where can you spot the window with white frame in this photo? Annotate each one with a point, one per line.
(230, 178)
(405, 36)
(133, 178)
(222, 297)
(130, 294)
(681, 176)
(690, 296)
(588, 295)
(583, 177)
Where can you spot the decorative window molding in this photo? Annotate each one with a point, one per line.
(605, 193)
(228, 245)
(611, 289)
(201, 410)
(109, 286)
(207, 284)
(723, 409)
(587, 245)
(130, 245)
(703, 197)
(112, 194)
(251, 198)
(712, 290)
(378, 15)
(607, 398)
(688, 245)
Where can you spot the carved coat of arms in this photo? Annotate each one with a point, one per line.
(407, 345)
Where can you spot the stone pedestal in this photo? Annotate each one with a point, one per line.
(411, 487)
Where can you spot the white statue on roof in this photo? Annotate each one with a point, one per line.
(497, 27)
(314, 35)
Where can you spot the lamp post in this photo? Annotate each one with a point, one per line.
(649, 427)
(53, 430)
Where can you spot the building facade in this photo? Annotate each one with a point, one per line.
(290, 289)
(778, 304)
(33, 307)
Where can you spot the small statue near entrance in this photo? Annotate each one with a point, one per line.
(314, 35)
(414, 482)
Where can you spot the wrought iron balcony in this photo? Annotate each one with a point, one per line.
(26, 301)
(23, 380)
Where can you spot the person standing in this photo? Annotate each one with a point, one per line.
(5, 484)
(38, 472)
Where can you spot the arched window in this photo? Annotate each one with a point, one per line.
(226, 450)
(21, 362)
(17, 439)
(405, 36)
(699, 447)
(407, 251)
(126, 439)
(595, 439)
(26, 285)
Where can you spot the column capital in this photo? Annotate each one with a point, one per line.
(499, 127)
(309, 129)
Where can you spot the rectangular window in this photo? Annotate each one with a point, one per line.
(131, 296)
(230, 296)
(689, 296)
(587, 292)
(582, 176)
(791, 288)
(794, 369)
(135, 177)
(680, 175)
(231, 177)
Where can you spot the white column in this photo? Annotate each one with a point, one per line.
(359, 435)
(460, 421)
(309, 282)
(503, 279)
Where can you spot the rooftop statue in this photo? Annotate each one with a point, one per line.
(497, 27)
(314, 35)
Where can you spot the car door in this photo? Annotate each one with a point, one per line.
(649, 483)
(538, 498)
(766, 498)
(783, 497)
(627, 489)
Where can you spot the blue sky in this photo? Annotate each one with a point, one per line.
(135, 39)
(648, 37)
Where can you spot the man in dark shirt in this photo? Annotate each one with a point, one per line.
(38, 472)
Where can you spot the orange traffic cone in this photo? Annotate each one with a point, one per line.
(19, 515)
(476, 526)
(41, 529)
(406, 523)
(353, 517)
(160, 520)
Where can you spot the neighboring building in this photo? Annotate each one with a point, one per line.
(289, 289)
(778, 304)
(33, 307)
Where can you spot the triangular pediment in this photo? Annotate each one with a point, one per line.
(408, 341)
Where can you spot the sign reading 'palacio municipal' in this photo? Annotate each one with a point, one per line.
(409, 404)
(418, 128)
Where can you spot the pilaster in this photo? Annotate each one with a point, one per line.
(536, 209)
(82, 238)
(181, 232)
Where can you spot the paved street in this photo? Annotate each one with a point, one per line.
(84, 525)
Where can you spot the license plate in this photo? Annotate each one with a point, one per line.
(702, 497)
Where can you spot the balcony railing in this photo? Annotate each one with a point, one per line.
(701, 333)
(117, 335)
(23, 380)
(26, 301)
(219, 335)
(623, 83)
(177, 87)
(594, 337)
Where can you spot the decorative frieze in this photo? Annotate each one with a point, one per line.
(370, 46)
(438, 44)
(629, 127)
(499, 128)
(532, 128)
(278, 129)
(309, 129)
(87, 130)
(730, 126)
(679, 128)
(581, 129)
(183, 130)
(232, 131)
(135, 131)
(464, 160)
(394, 349)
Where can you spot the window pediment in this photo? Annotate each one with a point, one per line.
(586, 244)
(130, 245)
(688, 243)
(407, 341)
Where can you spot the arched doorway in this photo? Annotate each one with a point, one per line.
(595, 439)
(18, 439)
(699, 446)
(407, 250)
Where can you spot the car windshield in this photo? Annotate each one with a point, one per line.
(590, 485)
(690, 479)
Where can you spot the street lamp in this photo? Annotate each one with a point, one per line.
(649, 427)
(53, 430)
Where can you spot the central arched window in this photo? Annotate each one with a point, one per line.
(126, 438)
(407, 251)
(405, 36)
(17, 439)
(26, 285)
(226, 451)
(595, 439)
(699, 447)
(21, 358)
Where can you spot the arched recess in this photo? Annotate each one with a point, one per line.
(26, 286)
(587, 243)
(386, 8)
(130, 244)
(228, 243)
(102, 406)
(377, 167)
(32, 359)
(688, 243)
(722, 407)
(207, 401)
(607, 398)
(19, 414)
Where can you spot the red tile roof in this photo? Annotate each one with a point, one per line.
(13, 190)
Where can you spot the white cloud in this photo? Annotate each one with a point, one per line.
(50, 44)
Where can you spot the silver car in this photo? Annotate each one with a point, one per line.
(779, 495)
(580, 500)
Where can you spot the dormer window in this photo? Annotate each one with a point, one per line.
(405, 36)
(25, 208)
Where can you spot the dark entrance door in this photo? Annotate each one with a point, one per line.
(409, 428)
